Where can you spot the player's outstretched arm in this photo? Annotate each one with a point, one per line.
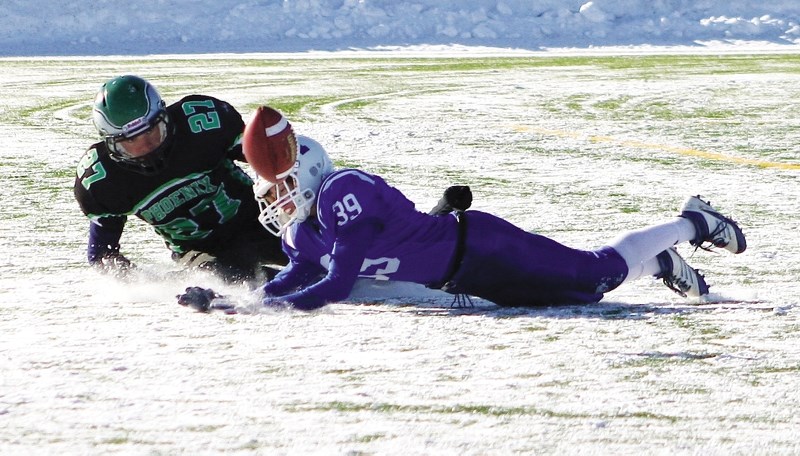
(349, 252)
(296, 274)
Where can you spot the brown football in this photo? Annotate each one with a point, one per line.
(269, 144)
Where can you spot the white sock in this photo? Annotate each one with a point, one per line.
(645, 268)
(639, 247)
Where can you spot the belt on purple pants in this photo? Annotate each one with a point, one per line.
(458, 255)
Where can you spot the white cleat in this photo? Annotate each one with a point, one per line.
(679, 276)
(713, 227)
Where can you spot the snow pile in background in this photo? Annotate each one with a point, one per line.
(104, 27)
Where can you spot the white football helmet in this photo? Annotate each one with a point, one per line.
(292, 199)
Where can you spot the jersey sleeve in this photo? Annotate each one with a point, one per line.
(294, 275)
(105, 227)
(204, 113)
(347, 257)
(104, 236)
(233, 120)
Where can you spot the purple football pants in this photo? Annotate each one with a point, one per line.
(511, 267)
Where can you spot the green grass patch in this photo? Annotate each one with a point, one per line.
(613, 104)
(475, 409)
(292, 106)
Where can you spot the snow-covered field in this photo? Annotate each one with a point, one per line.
(575, 147)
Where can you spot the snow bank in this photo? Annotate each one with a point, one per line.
(75, 27)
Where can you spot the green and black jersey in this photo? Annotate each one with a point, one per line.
(198, 202)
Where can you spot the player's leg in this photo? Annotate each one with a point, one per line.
(697, 223)
(648, 251)
(250, 255)
(512, 267)
(639, 247)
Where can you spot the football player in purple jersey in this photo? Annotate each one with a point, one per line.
(341, 225)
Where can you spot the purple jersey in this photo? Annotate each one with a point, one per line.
(365, 228)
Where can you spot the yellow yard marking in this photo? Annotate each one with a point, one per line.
(645, 145)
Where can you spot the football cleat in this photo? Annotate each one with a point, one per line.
(679, 276)
(713, 227)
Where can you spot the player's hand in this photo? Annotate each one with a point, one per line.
(198, 298)
(116, 264)
(273, 302)
(455, 198)
(459, 197)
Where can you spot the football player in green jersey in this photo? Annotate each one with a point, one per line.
(173, 166)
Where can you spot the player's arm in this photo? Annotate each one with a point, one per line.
(105, 231)
(348, 255)
(103, 249)
(234, 126)
(294, 275)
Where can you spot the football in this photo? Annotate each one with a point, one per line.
(269, 144)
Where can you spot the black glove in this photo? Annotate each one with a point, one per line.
(455, 198)
(115, 263)
(198, 298)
